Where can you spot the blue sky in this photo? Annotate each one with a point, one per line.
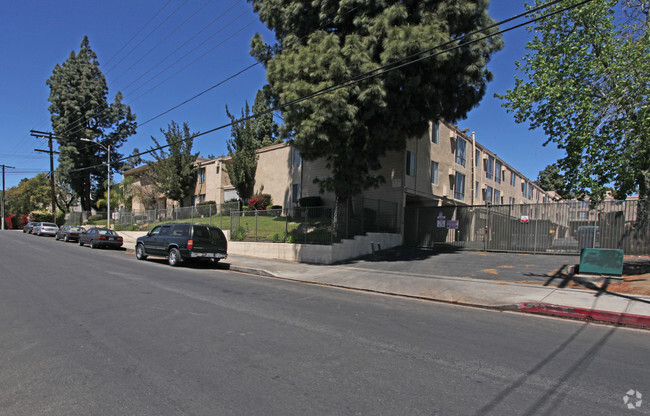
(176, 52)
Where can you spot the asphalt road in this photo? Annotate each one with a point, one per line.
(96, 332)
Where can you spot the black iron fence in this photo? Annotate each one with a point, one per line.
(561, 227)
(308, 225)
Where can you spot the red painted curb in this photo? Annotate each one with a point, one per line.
(587, 314)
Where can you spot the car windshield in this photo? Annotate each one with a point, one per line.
(106, 232)
(48, 224)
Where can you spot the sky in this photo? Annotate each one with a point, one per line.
(161, 53)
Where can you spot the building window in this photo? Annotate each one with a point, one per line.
(217, 169)
(477, 189)
(512, 200)
(497, 171)
(297, 159)
(488, 195)
(459, 189)
(435, 132)
(201, 175)
(434, 173)
(524, 190)
(410, 163)
(460, 151)
(295, 192)
(198, 199)
(489, 169)
(477, 158)
(497, 197)
(513, 178)
(530, 191)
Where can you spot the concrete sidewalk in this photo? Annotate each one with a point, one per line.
(592, 305)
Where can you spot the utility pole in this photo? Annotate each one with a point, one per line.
(49, 136)
(3, 193)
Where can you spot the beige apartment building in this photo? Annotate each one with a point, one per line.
(444, 167)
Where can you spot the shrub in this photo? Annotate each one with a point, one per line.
(256, 203)
(310, 201)
(97, 217)
(60, 218)
(275, 207)
(24, 219)
(238, 234)
(40, 216)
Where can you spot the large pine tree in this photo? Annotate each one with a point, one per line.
(80, 109)
(322, 43)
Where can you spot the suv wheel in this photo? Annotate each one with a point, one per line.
(139, 252)
(174, 257)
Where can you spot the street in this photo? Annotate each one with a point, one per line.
(97, 332)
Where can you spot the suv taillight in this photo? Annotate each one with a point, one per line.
(190, 244)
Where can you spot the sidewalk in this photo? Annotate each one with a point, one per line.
(592, 305)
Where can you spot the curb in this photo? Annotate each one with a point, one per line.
(616, 318)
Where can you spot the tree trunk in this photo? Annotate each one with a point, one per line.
(340, 220)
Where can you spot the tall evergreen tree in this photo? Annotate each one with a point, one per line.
(173, 172)
(242, 151)
(323, 43)
(80, 109)
(266, 129)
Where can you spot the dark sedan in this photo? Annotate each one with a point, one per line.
(69, 233)
(100, 237)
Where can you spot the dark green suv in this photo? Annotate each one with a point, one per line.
(183, 242)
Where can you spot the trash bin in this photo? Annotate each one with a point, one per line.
(585, 236)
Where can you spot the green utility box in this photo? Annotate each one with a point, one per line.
(601, 261)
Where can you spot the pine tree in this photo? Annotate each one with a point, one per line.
(79, 109)
(323, 43)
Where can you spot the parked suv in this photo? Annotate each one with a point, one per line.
(183, 242)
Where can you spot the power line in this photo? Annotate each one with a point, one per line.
(381, 70)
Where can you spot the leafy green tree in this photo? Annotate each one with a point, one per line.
(585, 84)
(551, 179)
(266, 129)
(28, 195)
(242, 151)
(173, 172)
(323, 43)
(80, 109)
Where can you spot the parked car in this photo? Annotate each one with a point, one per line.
(183, 242)
(45, 228)
(29, 227)
(100, 237)
(69, 233)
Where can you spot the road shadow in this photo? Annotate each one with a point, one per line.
(198, 265)
(403, 253)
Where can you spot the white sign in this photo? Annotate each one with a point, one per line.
(442, 220)
(452, 224)
(524, 219)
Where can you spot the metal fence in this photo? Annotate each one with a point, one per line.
(312, 225)
(145, 220)
(564, 227)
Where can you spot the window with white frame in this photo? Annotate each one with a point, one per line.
(435, 132)
(434, 172)
(489, 169)
(497, 197)
(488, 195)
(460, 151)
(477, 158)
(297, 159)
(497, 171)
(513, 178)
(410, 163)
(530, 191)
(198, 199)
(524, 189)
(477, 190)
(201, 174)
(512, 200)
(295, 192)
(459, 188)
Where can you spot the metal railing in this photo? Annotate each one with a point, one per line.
(560, 227)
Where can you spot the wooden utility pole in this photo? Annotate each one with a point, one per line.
(3, 193)
(49, 136)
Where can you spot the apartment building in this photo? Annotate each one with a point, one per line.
(444, 167)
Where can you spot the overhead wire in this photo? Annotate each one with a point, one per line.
(377, 71)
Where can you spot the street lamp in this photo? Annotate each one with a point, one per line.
(108, 163)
